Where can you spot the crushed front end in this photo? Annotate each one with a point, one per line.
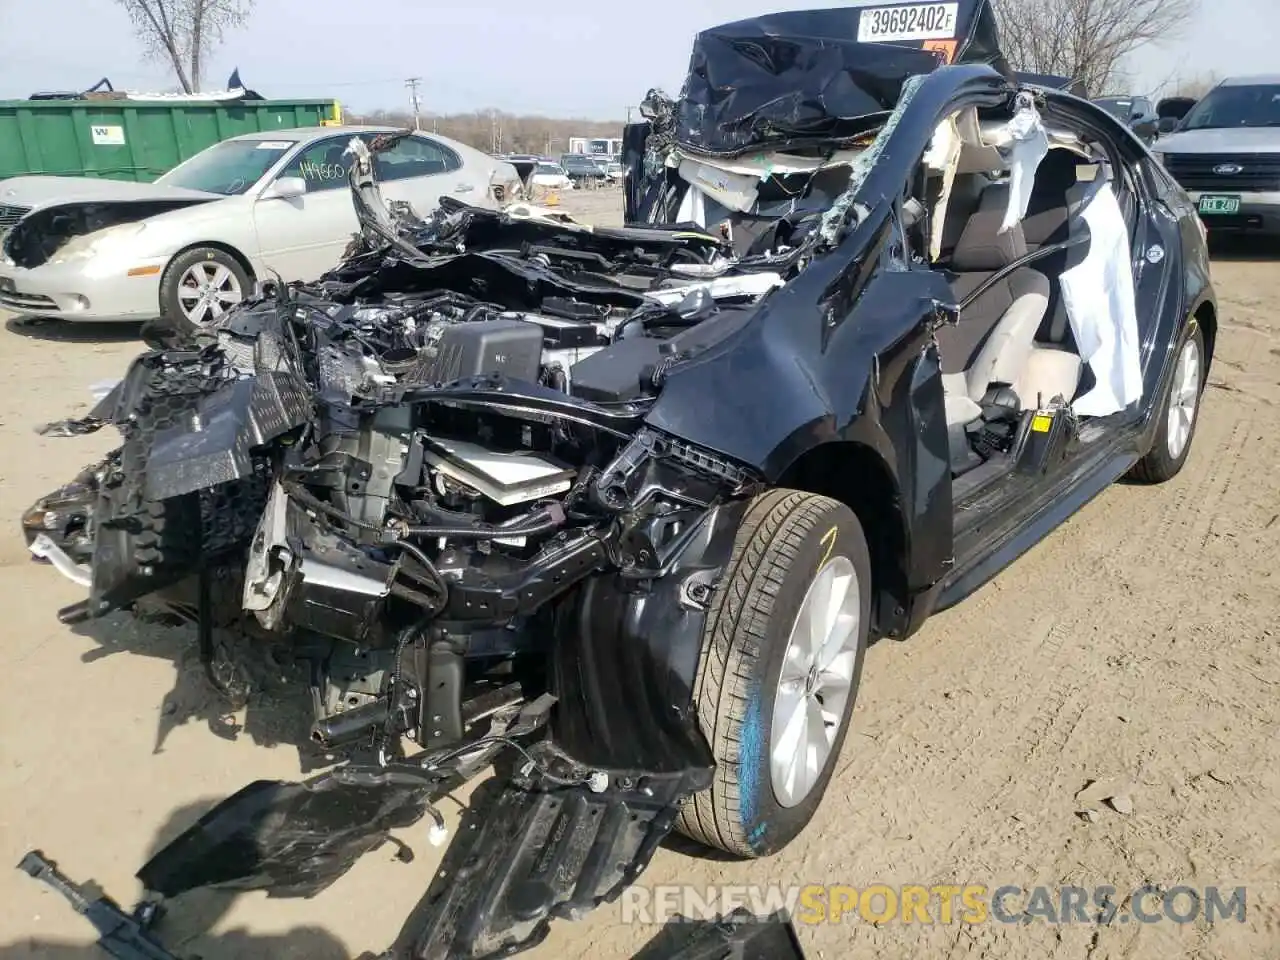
(429, 475)
(435, 474)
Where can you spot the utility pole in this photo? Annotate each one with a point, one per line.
(412, 84)
(628, 115)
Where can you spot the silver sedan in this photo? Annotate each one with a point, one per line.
(191, 245)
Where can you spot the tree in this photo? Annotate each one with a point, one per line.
(184, 32)
(520, 134)
(1196, 86)
(1086, 40)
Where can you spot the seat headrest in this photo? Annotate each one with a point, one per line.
(982, 246)
(1056, 173)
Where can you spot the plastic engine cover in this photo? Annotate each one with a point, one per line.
(512, 348)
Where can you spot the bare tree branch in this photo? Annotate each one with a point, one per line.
(184, 32)
(1086, 40)
(1196, 86)
(519, 134)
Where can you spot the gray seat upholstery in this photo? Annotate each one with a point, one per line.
(1050, 205)
(966, 192)
(994, 337)
(1053, 368)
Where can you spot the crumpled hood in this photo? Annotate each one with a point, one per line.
(1221, 140)
(820, 75)
(42, 191)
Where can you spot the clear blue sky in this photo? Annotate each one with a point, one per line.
(560, 58)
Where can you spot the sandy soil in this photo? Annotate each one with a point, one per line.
(1138, 642)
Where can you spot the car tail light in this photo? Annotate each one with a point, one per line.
(504, 189)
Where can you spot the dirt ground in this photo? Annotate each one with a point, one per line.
(1139, 642)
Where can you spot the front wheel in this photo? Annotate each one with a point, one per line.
(779, 669)
(199, 287)
(1178, 414)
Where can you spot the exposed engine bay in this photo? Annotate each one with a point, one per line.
(50, 234)
(452, 435)
(426, 471)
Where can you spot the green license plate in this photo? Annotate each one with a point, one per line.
(1216, 204)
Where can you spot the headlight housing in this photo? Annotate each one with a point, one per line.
(92, 244)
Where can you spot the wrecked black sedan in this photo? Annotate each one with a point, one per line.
(618, 510)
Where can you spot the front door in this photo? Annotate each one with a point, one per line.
(302, 237)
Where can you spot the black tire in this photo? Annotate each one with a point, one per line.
(1159, 464)
(785, 538)
(174, 319)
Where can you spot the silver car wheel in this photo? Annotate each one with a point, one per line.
(1184, 398)
(207, 291)
(816, 679)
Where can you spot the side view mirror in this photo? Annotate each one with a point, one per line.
(285, 188)
(1167, 125)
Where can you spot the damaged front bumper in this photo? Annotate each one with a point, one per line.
(130, 936)
(562, 828)
(73, 291)
(550, 842)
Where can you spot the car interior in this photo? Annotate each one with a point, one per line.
(1010, 363)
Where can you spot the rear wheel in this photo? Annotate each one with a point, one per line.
(779, 669)
(199, 287)
(1179, 414)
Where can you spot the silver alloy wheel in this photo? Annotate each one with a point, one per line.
(1184, 398)
(207, 290)
(816, 680)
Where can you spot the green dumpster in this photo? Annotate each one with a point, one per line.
(122, 139)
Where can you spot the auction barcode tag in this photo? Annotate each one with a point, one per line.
(908, 21)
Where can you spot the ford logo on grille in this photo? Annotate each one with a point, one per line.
(1227, 169)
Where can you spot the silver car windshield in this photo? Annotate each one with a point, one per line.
(229, 168)
(1245, 105)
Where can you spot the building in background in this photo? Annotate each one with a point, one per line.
(605, 147)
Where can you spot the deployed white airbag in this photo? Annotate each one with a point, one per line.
(1023, 142)
(1101, 307)
(735, 191)
(693, 208)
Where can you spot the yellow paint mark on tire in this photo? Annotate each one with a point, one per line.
(829, 540)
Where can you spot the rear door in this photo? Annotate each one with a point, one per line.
(302, 237)
(421, 170)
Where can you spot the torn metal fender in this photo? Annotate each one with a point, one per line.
(626, 656)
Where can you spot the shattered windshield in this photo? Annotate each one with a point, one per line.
(1252, 105)
(229, 168)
